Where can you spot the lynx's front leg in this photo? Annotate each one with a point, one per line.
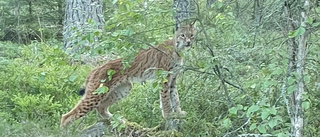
(174, 97)
(165, 101)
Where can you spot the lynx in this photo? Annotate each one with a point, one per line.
(165, 56)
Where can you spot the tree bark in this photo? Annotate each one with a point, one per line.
(301, 57)
(77, 15)
(209, 3)
(60, 10)
(185, 9)
(297, 51)
(30, 10)
(258, 6)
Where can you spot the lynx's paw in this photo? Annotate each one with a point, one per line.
(182, 113)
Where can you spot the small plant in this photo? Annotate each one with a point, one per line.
(117, 122)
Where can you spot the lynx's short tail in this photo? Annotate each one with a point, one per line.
(85, 105)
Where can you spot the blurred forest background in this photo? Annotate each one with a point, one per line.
(253, 69)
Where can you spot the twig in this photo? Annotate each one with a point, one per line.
(244, 124)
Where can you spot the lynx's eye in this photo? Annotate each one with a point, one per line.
(182, 35)
(191, 35)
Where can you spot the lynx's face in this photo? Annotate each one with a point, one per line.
(185, 36)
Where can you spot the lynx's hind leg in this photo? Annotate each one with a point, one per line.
(85, 105)
(113, 96)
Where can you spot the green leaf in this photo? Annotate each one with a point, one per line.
(277, 117)
(305, 105)
(219, 4)
(306, 79)
(265, 114)
(227, 122)
(174, 13)
(290, 34)
(239, 106)
(128, 32)
(121, 127)
(42, 77)
(101, 90)
(300, 31)
(110, 73)
(114, 2)
(154, 85)
(262, 128)
(273, 111)
(233, 110)
(252, 109)
(253, 86)
(115, 124)
(201, 63)
(72, 78)
(309, 20)
(116, 33)
(282, 135)
(253, 126)
(315, 24)
(102, 81)
(272, 123)
(291, 89)
(297, 32)
(164, 80)
(265, 71)
(291, 80)
(277, 71)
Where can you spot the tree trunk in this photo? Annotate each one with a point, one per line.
(60, 10)
(30, 11)
(209, 3)
(297, 51)
(60, 19)
(77, 24)
(185, 9)
(257, 18)
(257, 12)
(301, 57)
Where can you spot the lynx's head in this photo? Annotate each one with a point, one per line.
(184, 36)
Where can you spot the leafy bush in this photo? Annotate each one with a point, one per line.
(39, 84)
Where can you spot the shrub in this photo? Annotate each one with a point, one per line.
(38, 82)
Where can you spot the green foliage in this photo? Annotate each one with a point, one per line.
(23, 21)
(297, 32)
(35, 83)
(38, 82)
(101, 90)
(117, 122)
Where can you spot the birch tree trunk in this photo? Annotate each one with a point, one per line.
(78, 15)
(297, 51)
(301, 58)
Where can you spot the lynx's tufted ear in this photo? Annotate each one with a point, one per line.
(192, 24)
(177, 26)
